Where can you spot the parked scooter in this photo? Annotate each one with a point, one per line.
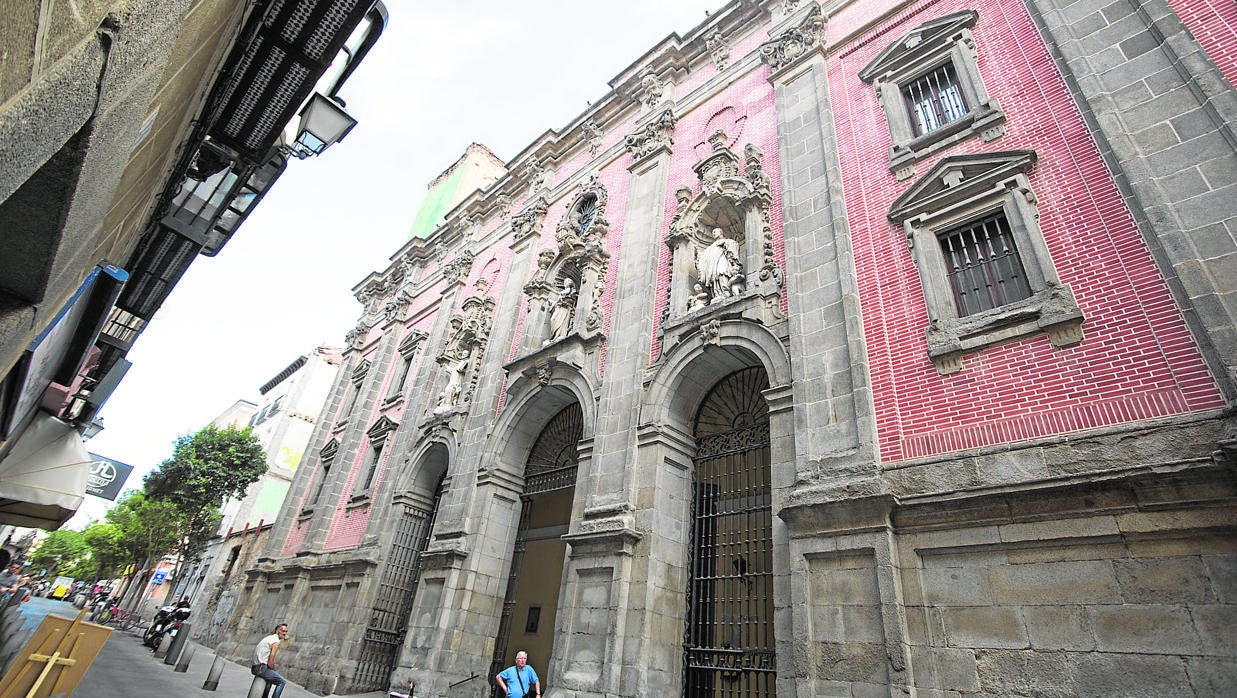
(167, 620)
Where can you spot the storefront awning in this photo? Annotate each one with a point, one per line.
(43, 478)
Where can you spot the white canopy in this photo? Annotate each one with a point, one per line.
(43, 479)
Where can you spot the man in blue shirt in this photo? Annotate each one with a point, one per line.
(519, 680)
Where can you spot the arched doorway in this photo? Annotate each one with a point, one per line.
(729, 648)
(413, 521)
(531, 604)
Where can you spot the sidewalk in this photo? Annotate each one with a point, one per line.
(127, 669)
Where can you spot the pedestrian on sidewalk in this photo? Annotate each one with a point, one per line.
(264, 661)
(520, 680)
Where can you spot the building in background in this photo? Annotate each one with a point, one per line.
(283, 420)
(137, 136)
(843, 348)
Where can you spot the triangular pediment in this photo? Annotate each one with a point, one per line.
(358, 374)
(912, 45)
(329, 450)
(959, 177)
(381, 428)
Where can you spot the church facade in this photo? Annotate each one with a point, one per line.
(845, 348)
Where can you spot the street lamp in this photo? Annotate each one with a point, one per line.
(323, 123)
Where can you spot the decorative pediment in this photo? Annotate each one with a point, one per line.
(957, 178)
(358, 373)
(381, 429)
(654, 137)
(794, 42)
(329, 450)
(925, 39)
(412, 342)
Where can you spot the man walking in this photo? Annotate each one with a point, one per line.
(264, 661)
(519, 680)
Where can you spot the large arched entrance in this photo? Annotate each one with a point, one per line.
(413, 521)
(531, 604)
(729, 648)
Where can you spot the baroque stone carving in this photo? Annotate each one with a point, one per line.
(455, 270)
(721, 239)
(655, 136)
(592, 135)
(528, 222)
(462, 353)
(794, 42)
(719, 49)
(654, 92)
(538, 178)
(503, 203)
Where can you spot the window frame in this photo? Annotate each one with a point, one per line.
(920, 51)
(960, 190)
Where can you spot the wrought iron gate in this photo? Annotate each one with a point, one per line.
(730, 648)
(385, 633)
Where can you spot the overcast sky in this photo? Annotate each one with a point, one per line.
(444, 75)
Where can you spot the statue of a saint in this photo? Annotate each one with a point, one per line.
(456, 368)
(718, 265)
(564, 305)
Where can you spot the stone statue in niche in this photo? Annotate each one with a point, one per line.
(564, 306)
(457, 366)
(719, 269)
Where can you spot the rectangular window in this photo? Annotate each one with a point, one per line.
(326, 472)
(983, 265)
(934, 99)
(401, 377)
(374, 457)
(533, 621)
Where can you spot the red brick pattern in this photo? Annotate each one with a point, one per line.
(1214, 24)
(1138, 360)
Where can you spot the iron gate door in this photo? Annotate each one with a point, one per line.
(730, 648)
(385, 633)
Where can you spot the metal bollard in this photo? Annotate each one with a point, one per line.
(257, 689)
(186, 656)
(212, 677)
(178, 644)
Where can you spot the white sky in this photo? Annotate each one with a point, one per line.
(443, 75)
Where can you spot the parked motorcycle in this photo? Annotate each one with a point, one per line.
(167, 621)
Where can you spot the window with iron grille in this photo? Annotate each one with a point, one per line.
(972, 225)
(929, 86)
(934, 99)
(983, 266)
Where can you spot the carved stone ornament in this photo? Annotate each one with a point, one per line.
(653, 138)
(794, 42)
(503, 203)
(461, 355)
(355, 337)
(455, 270)
(592, 135)
(721, 239)
(585, 222)
(538, 178)
(710, 332)
(529, 221)
(719, 49)
(544, 373)
(653, 92)
(789, 7)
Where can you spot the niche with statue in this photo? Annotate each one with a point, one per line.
(721, 244)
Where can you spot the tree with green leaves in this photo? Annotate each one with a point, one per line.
(205, 469)
(62, 552)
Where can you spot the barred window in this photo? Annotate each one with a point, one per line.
(935, 99)
(983, 265)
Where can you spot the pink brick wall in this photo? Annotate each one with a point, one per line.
(1214, 24)
(746, 112)
(1138, 360)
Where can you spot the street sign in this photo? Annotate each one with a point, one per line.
(159, 577)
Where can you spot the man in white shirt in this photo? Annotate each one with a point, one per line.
(264, 661)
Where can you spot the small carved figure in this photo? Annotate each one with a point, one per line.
(718, 265)
(560, 317)
(699, 300)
